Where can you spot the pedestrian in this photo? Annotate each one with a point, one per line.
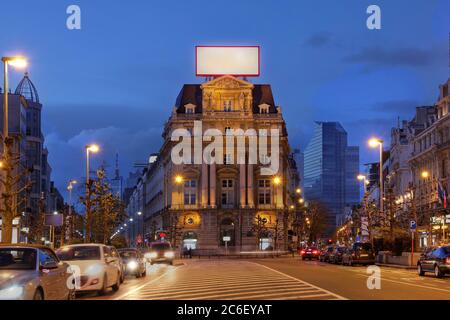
(190, 252)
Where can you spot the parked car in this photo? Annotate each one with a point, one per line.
(309, 253)
(325, 254)
(134, 262)
(359, 253)
(436, 261)
(160, 252)
(32, 272)
(336, 255)
(100, 266)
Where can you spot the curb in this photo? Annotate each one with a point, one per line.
(395, 266)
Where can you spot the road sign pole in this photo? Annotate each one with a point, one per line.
(412, 248)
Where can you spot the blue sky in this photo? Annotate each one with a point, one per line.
(115, 81)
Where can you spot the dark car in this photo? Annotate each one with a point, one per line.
(359, 253)
(325, 254)
(134, 262)
(309, 253)
(436, 261)
(336, 255)
(160, 252)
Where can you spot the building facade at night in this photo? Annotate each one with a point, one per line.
(210, 206)
(25, 124)
(330, 171)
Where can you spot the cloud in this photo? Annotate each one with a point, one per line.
(318, 40)
(396, 107)
(67, 157)
(378, 56)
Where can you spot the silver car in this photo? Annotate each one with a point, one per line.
(33, 272)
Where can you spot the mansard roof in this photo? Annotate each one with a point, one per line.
(192, 93)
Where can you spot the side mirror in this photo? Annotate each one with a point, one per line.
(48, 265)
(108, 260)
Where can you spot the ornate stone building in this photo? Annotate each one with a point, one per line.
(200, 205)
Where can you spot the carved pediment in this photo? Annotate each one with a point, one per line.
(227, 82)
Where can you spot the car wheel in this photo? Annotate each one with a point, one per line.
(102, 291)
(420, 271)
(117, 285)
(437, 272)
(122, 277)
(38, 295)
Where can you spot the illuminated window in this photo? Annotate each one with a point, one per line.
(190, 192)
(264, 192)
(227, 192)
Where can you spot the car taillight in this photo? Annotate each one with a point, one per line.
(302, 252)
(315, 252)
(447, 261)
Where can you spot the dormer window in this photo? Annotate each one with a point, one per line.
(190, 108)
(264, 108)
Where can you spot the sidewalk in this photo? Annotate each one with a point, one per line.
(396, 266)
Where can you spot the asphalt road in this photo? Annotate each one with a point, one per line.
(281, 278)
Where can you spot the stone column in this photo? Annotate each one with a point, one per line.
(242, 187)
(204, 185)
(250, 189)
(212, 185)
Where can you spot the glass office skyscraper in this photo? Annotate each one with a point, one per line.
(330, 170)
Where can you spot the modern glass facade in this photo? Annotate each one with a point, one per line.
(330, 170)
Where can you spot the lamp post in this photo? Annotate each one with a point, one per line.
(374, 143)
(89, 148)
(69, 188)
(7, 163)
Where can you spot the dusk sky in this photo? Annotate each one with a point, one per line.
(115, 81)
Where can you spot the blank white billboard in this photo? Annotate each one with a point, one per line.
(226, 60)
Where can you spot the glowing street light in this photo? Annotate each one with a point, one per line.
(375, 143)
(277, 181)
(178, 179)
(298, 191)
(425, 174)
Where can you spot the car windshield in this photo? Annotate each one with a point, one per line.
(127, 254)
(79, 253)
(330, 249)
(446, 249)
(363, 246)
(161, 246)
(17, 259)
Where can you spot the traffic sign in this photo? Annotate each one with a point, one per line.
(226, 239)
(412, 225)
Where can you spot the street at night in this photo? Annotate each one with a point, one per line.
(274, 279)
(203, 159)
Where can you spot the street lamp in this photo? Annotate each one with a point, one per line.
(69, 188)
(374, 143)
(363, 178)
(277, 181)
(298, 191)
(89, 148)
(178, 179)
(425, 174)
(17, 62)
(94, 149)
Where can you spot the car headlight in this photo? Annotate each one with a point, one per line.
(94, 269)
(169, 254)
(11, 293)
(132, 265)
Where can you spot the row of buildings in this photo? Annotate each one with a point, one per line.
(416, 172)
(25, 124)
(226, 203)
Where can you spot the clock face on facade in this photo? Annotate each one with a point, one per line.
(190, 221)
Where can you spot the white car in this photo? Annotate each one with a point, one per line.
(99, 266)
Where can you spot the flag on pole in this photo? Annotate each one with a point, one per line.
(442, 195)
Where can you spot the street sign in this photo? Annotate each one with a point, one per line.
(55, 220)
(412, 225)
(226, 239)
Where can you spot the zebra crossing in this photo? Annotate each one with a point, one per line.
(227, 280)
